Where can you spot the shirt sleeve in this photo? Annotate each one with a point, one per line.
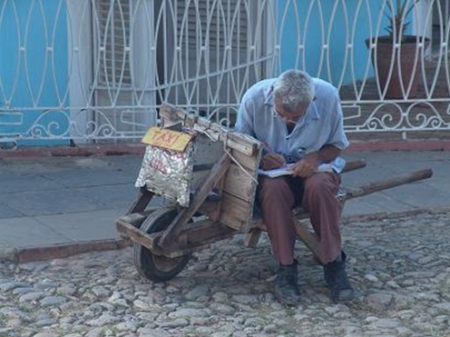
(337, 136)
(244, 122)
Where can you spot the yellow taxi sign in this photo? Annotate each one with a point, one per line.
(167, 139)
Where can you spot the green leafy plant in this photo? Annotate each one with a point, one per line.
(397, 15)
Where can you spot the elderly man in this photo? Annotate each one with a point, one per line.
(299, 119)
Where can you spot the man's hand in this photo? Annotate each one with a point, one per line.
(305, 167)
(272, 161)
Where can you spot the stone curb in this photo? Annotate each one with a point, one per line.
(7, 252)
(139, 149)
(30, 254)
(76, 151)
(394, 215)
(59, 251)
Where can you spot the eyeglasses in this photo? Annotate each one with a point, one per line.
(293, 119)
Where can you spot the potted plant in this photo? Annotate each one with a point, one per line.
(396, 57)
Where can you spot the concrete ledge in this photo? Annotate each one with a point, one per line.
(393, 215)
(80, 151)
(7, 253)
(406, 145)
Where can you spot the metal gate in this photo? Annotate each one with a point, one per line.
(97, 70)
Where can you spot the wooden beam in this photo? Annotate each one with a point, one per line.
(387, 183)
(207, 231)
(195, 238)
(252, 237)
(136, 219)
(308, 238)
(354, 165)
(128, 231)
(143, 198)
(200, 196)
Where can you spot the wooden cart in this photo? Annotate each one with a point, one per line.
(222, 186)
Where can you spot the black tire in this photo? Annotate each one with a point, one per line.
(153, 267)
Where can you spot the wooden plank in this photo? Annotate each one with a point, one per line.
(235, 212)
(354, 165)
(211, 209)
(206, 231)
(229, 220)
(219, 189)
(388, 183)
(136, 219)
(251, 163)
(142, 200)
(309, 239)
(243, 195)
(256, 223)
(169, 115)
(239, 184)
(128, 231)
(252, 237)
(239, 207)
(194, 238)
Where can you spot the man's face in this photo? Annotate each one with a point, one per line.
(289, 116)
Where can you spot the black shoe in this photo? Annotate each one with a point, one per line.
(286, 285)
(337, 280)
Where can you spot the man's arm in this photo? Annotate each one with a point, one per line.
(244, 121)
(244, 124)
(326, 154)
(336, 142)
(306, 166)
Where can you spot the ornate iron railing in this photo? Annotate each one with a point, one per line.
(97, 70)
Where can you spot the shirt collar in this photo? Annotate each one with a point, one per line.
(268, 95)
(312, 112)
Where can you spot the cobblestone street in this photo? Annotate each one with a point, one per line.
(399, 266)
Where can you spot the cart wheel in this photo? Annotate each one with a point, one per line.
(158, 268)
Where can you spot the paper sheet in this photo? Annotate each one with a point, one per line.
(287, 170)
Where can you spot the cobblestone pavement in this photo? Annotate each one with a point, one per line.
(399, 266)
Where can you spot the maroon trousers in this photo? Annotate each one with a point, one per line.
(317, 195)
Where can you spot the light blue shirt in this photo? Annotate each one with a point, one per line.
(321, 125)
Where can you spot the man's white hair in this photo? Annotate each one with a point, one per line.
(294, 87)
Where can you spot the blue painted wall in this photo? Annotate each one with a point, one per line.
(335, 63)
(33, 25)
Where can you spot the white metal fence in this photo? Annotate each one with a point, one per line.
(97, 70)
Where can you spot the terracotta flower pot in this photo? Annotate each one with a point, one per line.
(398, 68)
